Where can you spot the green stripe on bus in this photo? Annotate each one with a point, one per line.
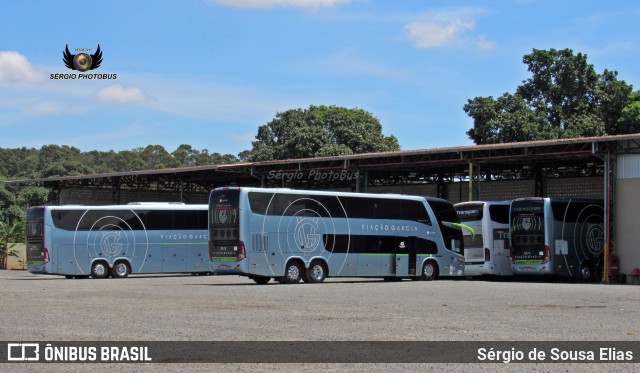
(528, 261)
(183, 243)
(223, 259)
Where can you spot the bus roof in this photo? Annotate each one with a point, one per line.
(333, 193)
(154, 206)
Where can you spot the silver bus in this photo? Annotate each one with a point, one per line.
(292, 235)
(103, 241)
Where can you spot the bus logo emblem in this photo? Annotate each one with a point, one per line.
(526, 224)
(222, 216)
(305, 234)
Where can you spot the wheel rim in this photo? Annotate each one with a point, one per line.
(121, 269)
(317, 272)
(293, 273)
(99, 270)
(428, 270)
(586, 272)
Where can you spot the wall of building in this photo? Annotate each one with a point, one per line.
(19, 261)
(627, 206)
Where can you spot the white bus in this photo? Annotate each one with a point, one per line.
(291, 235)
(102, 241)
(554, 236)
(486, 247)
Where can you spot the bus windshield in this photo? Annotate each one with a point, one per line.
(35, 239)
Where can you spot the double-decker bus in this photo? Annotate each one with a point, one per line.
(553, 236)
(292, 235)
(486, 246)
(103, 241)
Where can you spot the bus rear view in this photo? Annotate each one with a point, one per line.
(558, 236)
(530, 252)
(37, 253)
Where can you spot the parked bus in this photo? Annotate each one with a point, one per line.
(486, 246)
(291, 235)
(562, 237)
(102, 241)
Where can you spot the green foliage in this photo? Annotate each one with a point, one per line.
(10, 234)
(320, 131)
(564, 97)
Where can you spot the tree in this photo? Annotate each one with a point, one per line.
(157, 157)
(320, 131)
(10, 234)
(564, 97)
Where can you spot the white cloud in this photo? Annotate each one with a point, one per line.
(444, 28)
(278, 3)
(484, 43)
(120, 95)
(15, 67)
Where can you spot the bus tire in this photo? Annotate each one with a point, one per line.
(586, 272)
(261, 280)
(429, 271)
(293, 272)
(316, 273)
(121, 269)
(99, 269)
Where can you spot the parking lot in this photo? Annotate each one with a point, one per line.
(231, 308)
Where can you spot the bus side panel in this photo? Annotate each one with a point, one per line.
(343, 265)
(563, 257)
(174, 256)
(147, 259)
(197, 257)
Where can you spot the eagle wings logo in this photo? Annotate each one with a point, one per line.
(82, 61)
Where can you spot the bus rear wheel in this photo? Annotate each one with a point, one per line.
(316, 273)
(293, 273)
(586, 272)
(121, 270)
(99, 270)
(429, 271)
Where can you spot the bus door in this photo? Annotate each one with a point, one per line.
(406, 256)
(401, 256)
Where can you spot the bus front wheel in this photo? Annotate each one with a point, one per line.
(99, 270)
(293, 273)
(429, 271)
(121, 270)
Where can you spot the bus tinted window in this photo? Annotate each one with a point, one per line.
(499, 213)
(575, 211)
(35, 221)
(258, 202)
(415, 211)
(451, 236)
(359, 208)
(472, 211)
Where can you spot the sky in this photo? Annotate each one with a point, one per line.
(208, 73)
